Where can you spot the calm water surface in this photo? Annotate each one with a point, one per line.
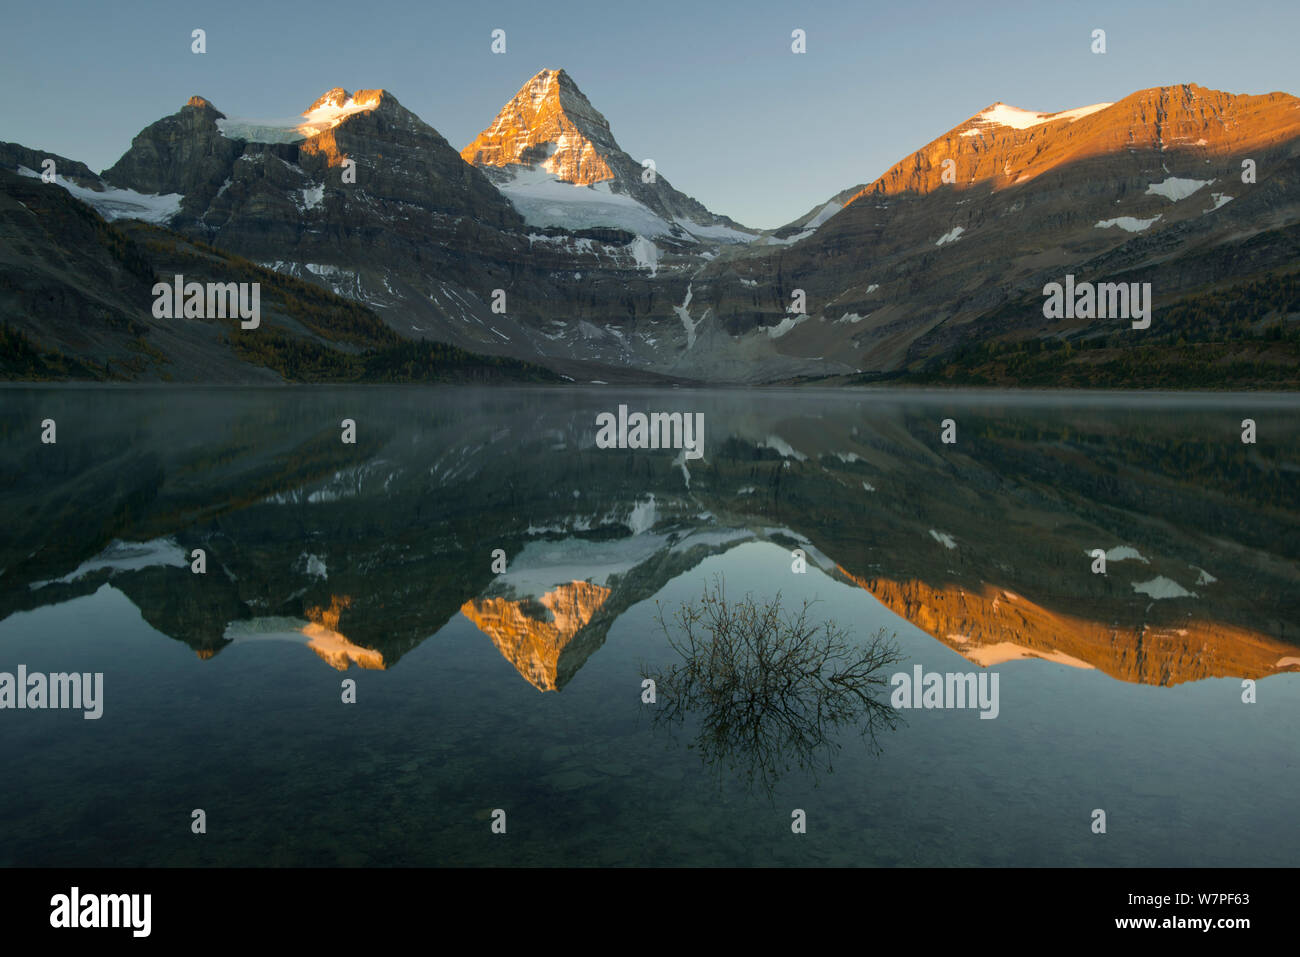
(523, 691)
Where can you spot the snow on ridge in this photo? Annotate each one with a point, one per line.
(262, 131)
(1002, 114)
(113, 203)
(718, 233)
(1078, 112)
(328, 116)
(951, 236)
(825, 213)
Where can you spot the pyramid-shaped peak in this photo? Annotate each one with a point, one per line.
(550, 123)
(550, 89)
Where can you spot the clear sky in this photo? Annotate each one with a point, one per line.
(709, 89)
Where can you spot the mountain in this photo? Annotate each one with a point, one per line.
(553, 155)
(934, 272)
(1145, 189)
(76, 293)
(421, 236)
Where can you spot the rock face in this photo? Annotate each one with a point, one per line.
(542, 240)
(550, 133)
(912, 264)
(182, 153)
(990, 625)
(548, 123)
(535, 636)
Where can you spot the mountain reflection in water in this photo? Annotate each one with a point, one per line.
(485, 580)
(985, 544)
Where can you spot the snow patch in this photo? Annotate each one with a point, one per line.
(782, 446)
(716, 233)
(1122, 553)
(951, 236)
(1175, 189)
(1000, 114)
(642, 517)
(113, 203)
(943, 539)
(544, 200)
(1128, 223)
(312, 196)
(1161, 587)
(825, 213)
(685, 317)
(645, 253)
(313, 566)
(123, 556)
(785, 325)
(1220, 200)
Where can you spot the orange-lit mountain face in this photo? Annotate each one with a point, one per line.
(1006, 146)
(548, 123)
(535, 639)
(953, 245)
(991, 625)
(549, 135)
(611, 269)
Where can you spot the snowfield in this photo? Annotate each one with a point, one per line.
(1003, 115)
(1175, 189)
(1129, 223)
(114, 203)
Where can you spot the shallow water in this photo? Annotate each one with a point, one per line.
(521, 691)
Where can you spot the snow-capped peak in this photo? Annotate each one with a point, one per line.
(335, 106)
(327, 112)
(550, 123)
(1002, 114)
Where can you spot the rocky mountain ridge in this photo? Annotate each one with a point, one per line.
(950, 246)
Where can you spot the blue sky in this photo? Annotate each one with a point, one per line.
(709, 90)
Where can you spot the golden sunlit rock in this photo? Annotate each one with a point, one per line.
(332, 647)
(1185, 118)
(539, 124)
(994, 625)
(533, 645)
